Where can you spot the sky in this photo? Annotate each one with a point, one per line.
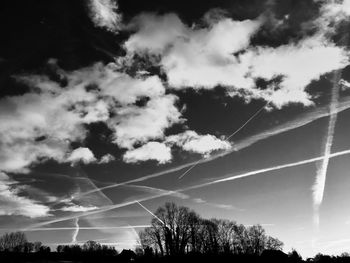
(236, 109)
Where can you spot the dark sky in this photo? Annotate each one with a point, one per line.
(103, 103)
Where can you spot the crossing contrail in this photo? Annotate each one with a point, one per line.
(304, 119)
(76, 231)
(228, 177)
(149, 211)
(228, 138)
(319, 185)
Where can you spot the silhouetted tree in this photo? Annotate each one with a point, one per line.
(173, 234)
(59, 248)
(226, 235)
(28, 247)
(273, 243)
(92, 246)
(257, 239)
(37, 246)
(294, 256)
(176, 230)
(14, 241)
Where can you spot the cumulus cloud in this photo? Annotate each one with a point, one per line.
(299, 64)
(107, 158)
(104, 13)
(134, 124)
(202, 144)
(331, 14)
(81, 154)
(150, 151)
(195, 57)
(221, 54)
(12, 203)
(42, 123)
(78, 208)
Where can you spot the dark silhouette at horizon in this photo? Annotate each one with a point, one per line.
(176, 234)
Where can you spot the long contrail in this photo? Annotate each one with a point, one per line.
(228, 177)
(149, 211)
(74, 228)
(228, 138)
(320, 182)
(76, 231)
(293, 124)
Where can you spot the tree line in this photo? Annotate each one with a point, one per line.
(176, 233)
(17, 242)
(176, 230)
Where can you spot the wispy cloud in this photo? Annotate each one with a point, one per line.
(13, 203)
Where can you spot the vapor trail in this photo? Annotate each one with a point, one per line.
(319, 185)
(228, 177)
(75, 228)
(76, 231)
(305, 119)
(149, 211)
(228, 138)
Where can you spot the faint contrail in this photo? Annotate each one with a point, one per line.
(319, 185)
(228, 138)
(74, 228)
(305, 119)
(229, 177)
(76, 231)
(149, 211)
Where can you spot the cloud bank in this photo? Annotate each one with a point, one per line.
(221, 54)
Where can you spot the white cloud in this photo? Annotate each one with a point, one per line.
(202, 144)
(299, 64)
(134, 124)
(197, 57)
(117, 85)
(11, 203)
(42, 123)
(107, 158)
(78, 208)
(81, 154)
(332, 13)
(155, 33)
(149, 151)
(104, 13)
(345, 85)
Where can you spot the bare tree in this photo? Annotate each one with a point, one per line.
(37, 246)
(226, 234)
(171, 230)
(175, 230)
(257, 239)
(91, 246)
(273, 243)
(14, 241)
